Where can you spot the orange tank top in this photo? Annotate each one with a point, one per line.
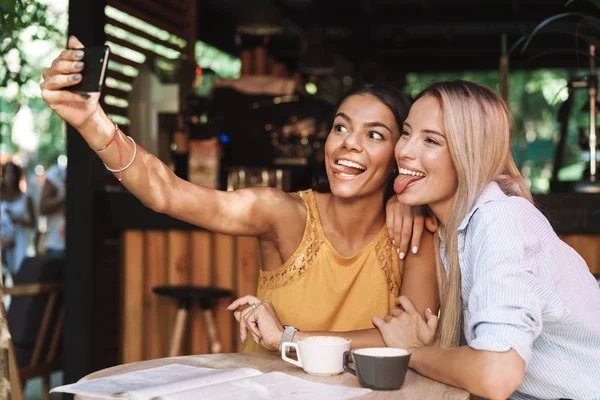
(317, 289)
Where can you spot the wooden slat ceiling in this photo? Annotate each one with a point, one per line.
(168, 15)
(149, 11)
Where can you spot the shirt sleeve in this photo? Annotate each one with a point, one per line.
(503, 310)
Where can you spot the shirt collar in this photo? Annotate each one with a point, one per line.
(490, 192)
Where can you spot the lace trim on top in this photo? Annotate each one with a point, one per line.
(388, 262)
(313, 240)
(303, 258)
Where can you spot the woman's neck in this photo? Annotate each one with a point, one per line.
(357, 219)
(441, 211)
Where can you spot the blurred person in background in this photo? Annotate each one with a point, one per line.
(18, 207)
(52, 206)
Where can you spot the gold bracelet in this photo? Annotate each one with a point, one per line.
(120, 170)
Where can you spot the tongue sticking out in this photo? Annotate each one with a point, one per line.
(402, 181)
(343, 169)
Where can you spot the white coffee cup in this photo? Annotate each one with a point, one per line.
(318, 355)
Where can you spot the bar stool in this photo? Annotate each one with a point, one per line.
(207, 297)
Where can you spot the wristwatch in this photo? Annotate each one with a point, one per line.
(288, 334)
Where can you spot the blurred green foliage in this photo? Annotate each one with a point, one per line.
(32, 33)
(534, 97)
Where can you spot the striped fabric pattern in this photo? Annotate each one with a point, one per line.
(525, 289)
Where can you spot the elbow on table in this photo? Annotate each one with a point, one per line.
(502, 376)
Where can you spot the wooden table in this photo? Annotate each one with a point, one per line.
(415, 386)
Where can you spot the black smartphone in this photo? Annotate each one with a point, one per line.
(95, 61)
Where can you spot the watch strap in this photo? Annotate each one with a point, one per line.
(288, 334)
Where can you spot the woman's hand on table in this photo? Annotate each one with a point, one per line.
(405, 226)
(75, 108)
(260, 319)
(406, 328)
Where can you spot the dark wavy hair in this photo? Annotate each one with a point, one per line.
(17, 171)
(394, 99)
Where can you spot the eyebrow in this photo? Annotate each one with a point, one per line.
(431, 131)
(369, 124)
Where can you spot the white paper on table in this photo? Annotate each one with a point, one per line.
(274, 385)
(155, 382)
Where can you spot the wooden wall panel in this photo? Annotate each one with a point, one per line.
(178, 273)
(247, 262)
(156, 331)
(588, 246)
(156, 258)
(224, 274)
(133, 294)
(200, 276)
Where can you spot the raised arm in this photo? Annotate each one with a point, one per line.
(251, 212)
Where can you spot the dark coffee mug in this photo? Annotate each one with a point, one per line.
(380, 368)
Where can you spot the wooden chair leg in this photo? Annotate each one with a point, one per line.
(211, 331)
(178, 330)
(46, 387)
(16, 386)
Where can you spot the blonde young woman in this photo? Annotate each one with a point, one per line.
(333, 247)
(520, 311)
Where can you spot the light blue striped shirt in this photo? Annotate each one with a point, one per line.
(525, 289)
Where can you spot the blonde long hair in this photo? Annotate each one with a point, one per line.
(477, 123)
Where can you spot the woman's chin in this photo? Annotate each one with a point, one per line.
(410, 199)
(343, 192)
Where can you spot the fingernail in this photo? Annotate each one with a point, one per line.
(398, 251)
(85, 96)
(428, 309)
(76, 77)
(255, 339)
(78, 64)
(227, 308)
(393, 242)
(79, 53)
(415, 249)
(242, 338)
(402, 255)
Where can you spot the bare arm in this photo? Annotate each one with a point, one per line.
(493, 375)
(251, 212)
(419, 279)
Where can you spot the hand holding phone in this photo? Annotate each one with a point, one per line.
(62, 87)
(95, 62)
